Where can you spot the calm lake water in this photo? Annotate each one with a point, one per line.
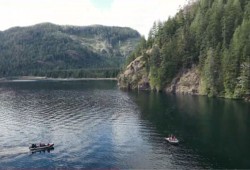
(95, 125)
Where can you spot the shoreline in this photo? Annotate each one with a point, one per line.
(34, 78)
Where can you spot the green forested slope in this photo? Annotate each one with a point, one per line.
(65, 51)
(211, 35)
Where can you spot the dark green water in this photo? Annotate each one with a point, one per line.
(218, 130)
(95, 125)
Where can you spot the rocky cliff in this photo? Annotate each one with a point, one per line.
(186, 82)
(135, 76)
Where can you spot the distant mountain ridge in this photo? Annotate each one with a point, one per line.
(51, 50)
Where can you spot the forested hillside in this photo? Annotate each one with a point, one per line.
(65, 51)
(207, 43)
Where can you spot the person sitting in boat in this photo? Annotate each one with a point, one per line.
(42, 144)
(172, 137)
(33, 146)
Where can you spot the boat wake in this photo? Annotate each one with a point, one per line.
(13, 151)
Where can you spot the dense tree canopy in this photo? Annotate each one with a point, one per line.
(62, 51)
(213, 35)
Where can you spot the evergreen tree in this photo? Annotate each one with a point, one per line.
(212, 35)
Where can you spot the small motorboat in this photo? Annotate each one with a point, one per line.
(172, 140)
(41, 146)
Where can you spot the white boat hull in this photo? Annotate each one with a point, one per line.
(172, 141)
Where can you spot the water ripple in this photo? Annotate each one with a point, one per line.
(91, 128)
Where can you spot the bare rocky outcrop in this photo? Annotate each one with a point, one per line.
(186, 82)
(135, 76)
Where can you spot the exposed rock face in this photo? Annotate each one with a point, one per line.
(135, 76)
(186, 82)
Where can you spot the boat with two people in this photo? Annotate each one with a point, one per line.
(41, 146)
(172, 139)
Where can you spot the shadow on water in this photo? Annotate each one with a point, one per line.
(216, 129)
(42, 151)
